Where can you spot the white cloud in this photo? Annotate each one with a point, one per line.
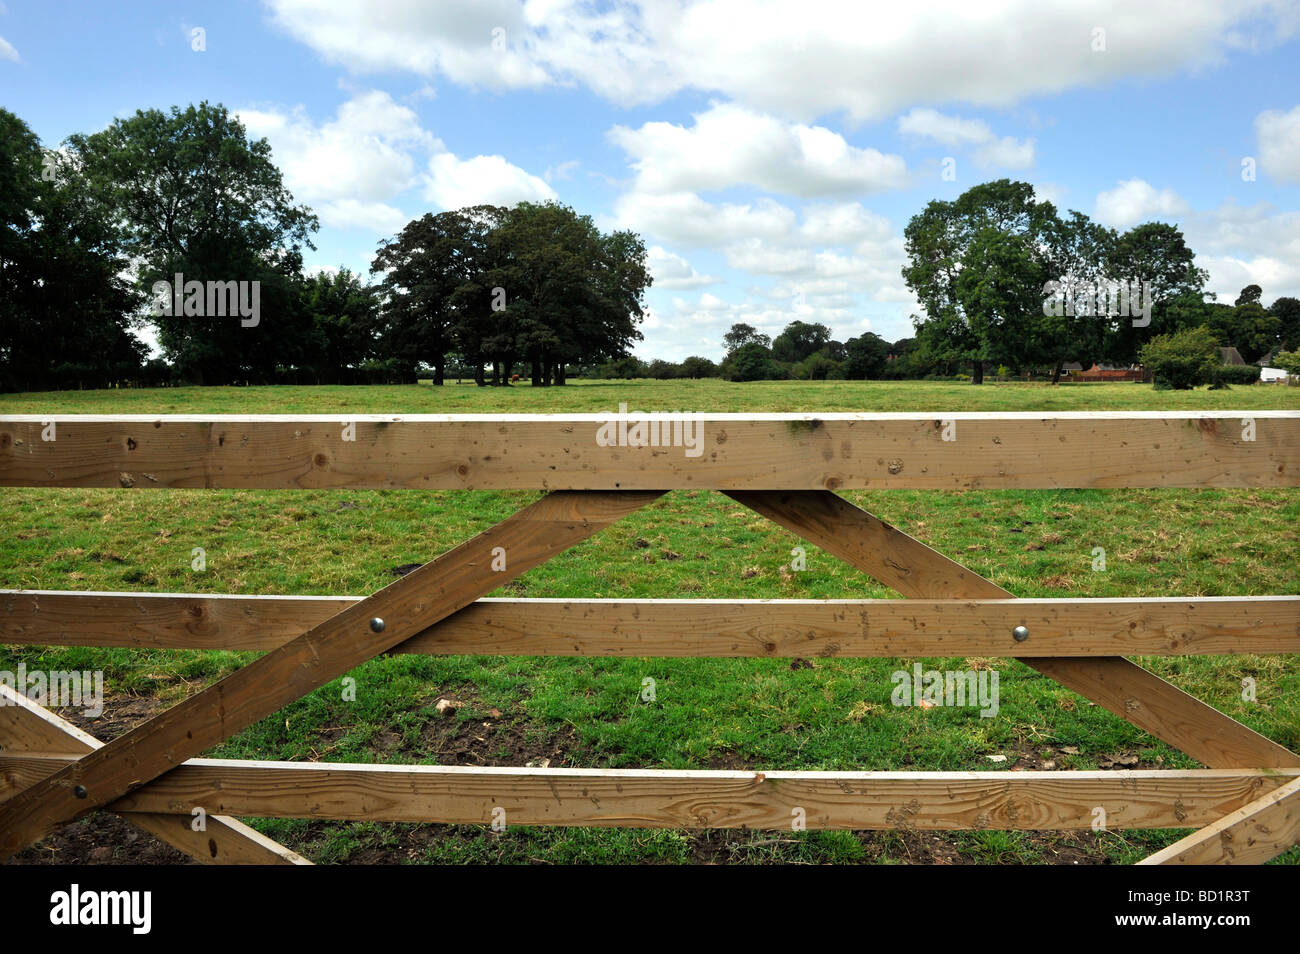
(673, 271)
(730, 145)
(7, 51)
(484, 180)
(1136, 200)
(350, 168)
(363, 154)
(798, 58)
(1244, 245)
(370, 216)
(683, 218)
(1278, 134)
(1006, 152)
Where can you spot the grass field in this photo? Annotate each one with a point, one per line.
(759, 714)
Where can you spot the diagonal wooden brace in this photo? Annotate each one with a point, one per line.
(344, 641)
(915, 570)
(1251, 835)
(27, 727)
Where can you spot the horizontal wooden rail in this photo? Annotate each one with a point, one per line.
(719, 628)
(650, 798)
(602, 452)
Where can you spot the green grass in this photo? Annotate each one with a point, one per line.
(760, 714)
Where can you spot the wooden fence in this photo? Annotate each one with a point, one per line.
(597, 469)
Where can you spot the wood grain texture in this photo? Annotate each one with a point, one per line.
(917, 571)
(340, 643)
(1250, 835)
(650, 798)
(28, 728)
(733, 451)
(719, 628)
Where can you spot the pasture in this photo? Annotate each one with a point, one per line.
(760, 714)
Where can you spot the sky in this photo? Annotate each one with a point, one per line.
(770, 152)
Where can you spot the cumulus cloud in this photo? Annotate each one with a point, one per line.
(799, 58)
(989, 149)
(353, 166)
(453, 183)
(1136, 200)
(730, 145)
(673, 271)
(1278, 134)
(364, 153)
(683, 218)
(1244, 245)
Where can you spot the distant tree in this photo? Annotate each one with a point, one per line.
(751, 362)
(1247, 327)
(1154, 253)
(866, 356)
(194, 195)
(1288, 361)
(742, 334)
(799, 340)
(422, 269)
(1287, 311)
(1250, 295)
(1080, 251)
(343, 313)
(662, 370)
(946, 240)
(697, 367)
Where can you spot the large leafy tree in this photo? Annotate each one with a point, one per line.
(194, 195)
(424, 267)
(572, 294)
(866, 356)
(1079, 250)
(64, 309)
(1154, 253)
(995, 225)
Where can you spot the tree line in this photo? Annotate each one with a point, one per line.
(91, 232)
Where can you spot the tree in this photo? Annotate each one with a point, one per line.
(1247, 327)
(751, 362)
(193, 195)
(65, 310)
(1182, 360)
(696, 367)
(1250, 295)
(742, 334)
(866, 357)
(423, 268)
(344, 316)
(946, 239)
(1288, 361)
(800, 340)
(1287, 311)
(570, 293)
(1079, 252)
(1154, 253)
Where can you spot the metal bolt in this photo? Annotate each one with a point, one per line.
(376, 625)
(1020, 633)
(79, 791)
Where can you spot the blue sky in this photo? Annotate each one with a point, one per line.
(769, 151)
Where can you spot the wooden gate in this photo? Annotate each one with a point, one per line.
(596, 469)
